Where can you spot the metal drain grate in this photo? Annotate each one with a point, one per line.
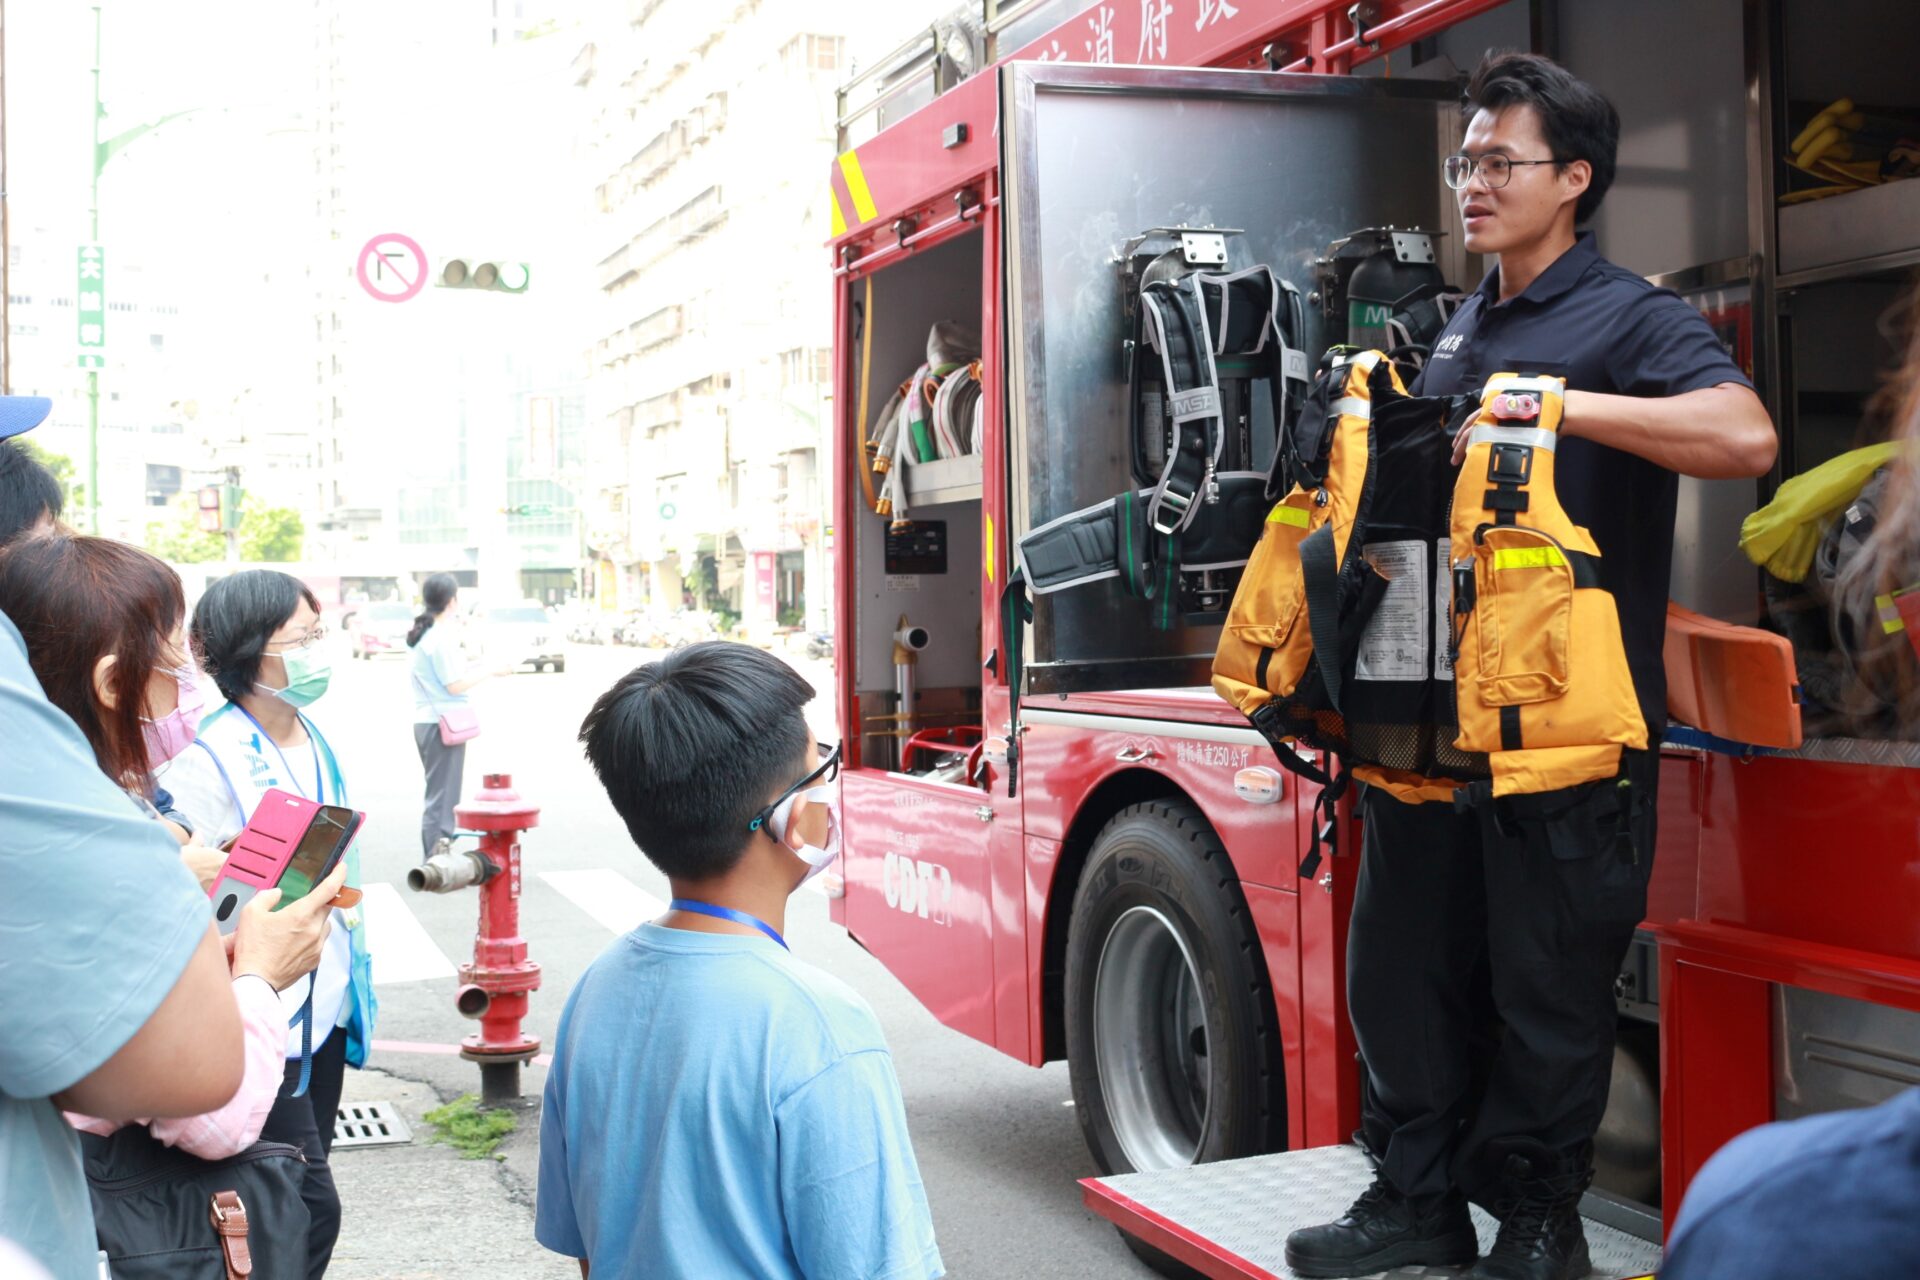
(369, 1124)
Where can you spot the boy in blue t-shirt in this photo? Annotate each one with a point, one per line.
(717, 1108)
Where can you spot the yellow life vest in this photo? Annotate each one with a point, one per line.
(1543, 685)
(1442, 631)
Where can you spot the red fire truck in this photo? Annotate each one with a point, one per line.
(1056, 835)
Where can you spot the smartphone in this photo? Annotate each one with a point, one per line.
(291, 844)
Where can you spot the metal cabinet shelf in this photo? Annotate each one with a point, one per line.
(1862, 232)
(929, 484)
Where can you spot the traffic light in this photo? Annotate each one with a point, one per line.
(528, 509)
(220, 508)
(492, 274)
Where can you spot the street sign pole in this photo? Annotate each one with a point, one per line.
(93, 375)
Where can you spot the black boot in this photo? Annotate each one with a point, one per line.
(1382, 1230)
(1541, 1235)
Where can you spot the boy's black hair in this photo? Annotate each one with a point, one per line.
(691, 747)
(237, 617)
(1579, 123)
(29, 492)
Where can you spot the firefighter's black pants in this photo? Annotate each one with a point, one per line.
(1501, 927)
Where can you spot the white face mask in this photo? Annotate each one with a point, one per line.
(818, 858)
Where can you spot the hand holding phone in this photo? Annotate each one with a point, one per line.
(285, 946)
(290, 844)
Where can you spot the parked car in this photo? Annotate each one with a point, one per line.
(525, 635)
(380, 628)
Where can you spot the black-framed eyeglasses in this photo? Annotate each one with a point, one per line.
(826, 771)
(1495, 170)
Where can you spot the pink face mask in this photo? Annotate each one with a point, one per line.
(174, 732)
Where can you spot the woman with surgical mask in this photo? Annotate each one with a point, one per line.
(102, 622)
(259, 637)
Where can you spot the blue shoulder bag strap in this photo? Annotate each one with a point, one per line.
(304, 1020)
(233, 794)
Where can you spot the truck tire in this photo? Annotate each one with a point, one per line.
(1173, 1042)
(1175, 1057)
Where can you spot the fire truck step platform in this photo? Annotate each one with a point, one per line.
(1229, 1220)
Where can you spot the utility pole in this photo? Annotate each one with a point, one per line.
(6, 238)
(93, 375)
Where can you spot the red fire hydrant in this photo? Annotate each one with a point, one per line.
(494, 986)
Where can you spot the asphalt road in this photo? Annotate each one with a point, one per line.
(997, 1141)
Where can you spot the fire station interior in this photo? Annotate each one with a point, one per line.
(916, 584)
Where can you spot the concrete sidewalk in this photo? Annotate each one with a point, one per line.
(420, 1212)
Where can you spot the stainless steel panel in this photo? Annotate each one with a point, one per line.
(1832, 1053)
(1675, 73)
(1094, 155)
(1249, 1206)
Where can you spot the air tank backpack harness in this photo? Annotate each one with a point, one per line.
(1444, 632)
(1202, 341)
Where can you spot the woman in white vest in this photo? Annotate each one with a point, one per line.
(258, 636)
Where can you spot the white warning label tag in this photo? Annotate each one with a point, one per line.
(1394, 644)
(1443, 611)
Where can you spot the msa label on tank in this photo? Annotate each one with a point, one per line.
(1394, 644)
(1443, 610)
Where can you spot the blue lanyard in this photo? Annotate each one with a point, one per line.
(319, 783)
(727, 913)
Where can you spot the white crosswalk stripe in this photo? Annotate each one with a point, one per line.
(607, 896)
(402, 951)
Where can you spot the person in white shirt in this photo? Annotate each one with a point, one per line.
(442, 675)
(259, 637)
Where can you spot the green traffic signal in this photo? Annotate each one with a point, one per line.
(494, 276)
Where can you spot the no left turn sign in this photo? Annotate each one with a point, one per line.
(392, 267)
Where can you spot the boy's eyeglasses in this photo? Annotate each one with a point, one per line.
(306, 640)
(825, 771)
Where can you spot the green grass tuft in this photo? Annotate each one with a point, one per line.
(469, 1129)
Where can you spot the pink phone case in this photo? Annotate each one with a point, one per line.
(261, 853)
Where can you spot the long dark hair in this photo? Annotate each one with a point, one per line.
(436, 593)
(77, 599)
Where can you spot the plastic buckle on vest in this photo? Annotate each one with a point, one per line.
(1180, 502)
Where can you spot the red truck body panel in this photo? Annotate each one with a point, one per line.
(1768, 870)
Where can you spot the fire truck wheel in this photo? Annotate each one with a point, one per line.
(1172, 1038)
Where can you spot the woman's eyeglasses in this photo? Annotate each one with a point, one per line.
(306, 641)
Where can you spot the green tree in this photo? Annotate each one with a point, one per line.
(181, 539)
(270, 535)
(61, 466)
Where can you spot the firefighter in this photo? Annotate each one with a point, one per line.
(1526, 905)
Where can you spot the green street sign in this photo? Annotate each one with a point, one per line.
(90, 306)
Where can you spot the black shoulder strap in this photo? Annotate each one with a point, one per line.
(1320, 569)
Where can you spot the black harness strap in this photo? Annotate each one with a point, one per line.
(1320, 569)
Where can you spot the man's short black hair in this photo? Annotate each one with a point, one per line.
(237, 617)
(29, 493)
(691, 747)
(1579, 123)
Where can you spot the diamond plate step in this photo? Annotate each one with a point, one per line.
(1230, 1220)
(369, 1124)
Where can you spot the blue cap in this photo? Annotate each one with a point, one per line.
(22, 413)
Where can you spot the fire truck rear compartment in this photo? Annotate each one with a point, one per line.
(927, 574)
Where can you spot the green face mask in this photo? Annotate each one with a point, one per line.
(307, 677)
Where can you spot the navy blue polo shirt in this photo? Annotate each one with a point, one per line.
(1603, 329)
(1831, 1195)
